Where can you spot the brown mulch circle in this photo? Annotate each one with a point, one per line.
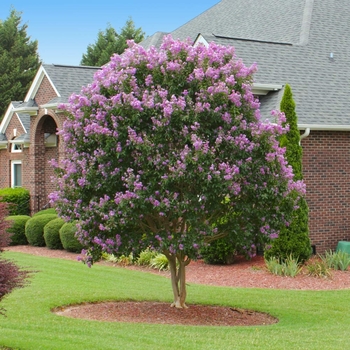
(243, 273)
(162, 313)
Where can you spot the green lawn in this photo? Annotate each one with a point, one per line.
(308, 320)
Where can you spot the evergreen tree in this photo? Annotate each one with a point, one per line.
(293, 240)
(128, 32)
(19, 60)
(110, 42)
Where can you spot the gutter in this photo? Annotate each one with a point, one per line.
(52, 106)
(305, 134)
(29, 110)
(324, 127)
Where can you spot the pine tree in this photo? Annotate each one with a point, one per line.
(110, 42)
(19, 60)
(293, 240)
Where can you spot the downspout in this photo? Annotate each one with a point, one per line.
(304, 135)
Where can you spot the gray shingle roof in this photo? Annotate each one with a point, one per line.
(25, 119)
(291, 41)
(69, 79)
(24, 138)
(3, 137)
(154, 40)
(248, 19)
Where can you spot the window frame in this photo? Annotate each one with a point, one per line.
(14, 176)
(14, 148)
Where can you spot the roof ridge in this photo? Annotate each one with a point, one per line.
(253, 40)
(71, 66)
(306, 22)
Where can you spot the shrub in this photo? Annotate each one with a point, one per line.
(337, 260)
(17, 229)
(293, 239)
(10, 274)
(46, 211)
(109, 257)
(288, 267)
(146, 257)
(52, 235)
(220, 251)
(68, 239)
(318, 268)
(18, 199)
(34, 229)
(124, 260)
(160, 262)
(11, 277)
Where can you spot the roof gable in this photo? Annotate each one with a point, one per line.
(68, 80)
(34, 87)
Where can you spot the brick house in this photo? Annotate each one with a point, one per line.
(28, 137)
(304, 43)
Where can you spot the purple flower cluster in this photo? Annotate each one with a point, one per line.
(167, 147)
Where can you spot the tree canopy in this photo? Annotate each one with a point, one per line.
(167, 149)
(110, 42)
(19, 60)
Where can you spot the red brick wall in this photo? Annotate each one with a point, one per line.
(4, 168)
(6, 156)
(40, 170)
(45, 92)
(14, 124)
(326, 169)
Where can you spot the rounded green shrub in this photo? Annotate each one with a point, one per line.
(220, 251)
(18, 199)
(45, 211)
(68, 239)
(34, 229)
(52, 234)
(17, 229)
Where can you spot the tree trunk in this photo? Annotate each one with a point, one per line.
(177, 264)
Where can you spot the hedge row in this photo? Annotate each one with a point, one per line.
(43, 229)
(18, 199)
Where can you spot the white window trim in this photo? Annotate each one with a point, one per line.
(13, 148)
(13, 163)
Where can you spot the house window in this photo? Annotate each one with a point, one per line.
(16, 173)
(16, 148)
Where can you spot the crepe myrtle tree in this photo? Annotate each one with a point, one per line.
(166, 149)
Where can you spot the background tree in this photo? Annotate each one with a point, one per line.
(110, 42)
(294, 239)
(10, 274)
(166, 150)
(19, 60)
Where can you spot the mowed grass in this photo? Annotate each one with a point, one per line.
(307, 319)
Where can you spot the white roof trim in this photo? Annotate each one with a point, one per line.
(200, 40)
(50, 105)
(324, 127)
(28, 110)
(264, 89)
(9, 114)
(7, 117)
(37, 82)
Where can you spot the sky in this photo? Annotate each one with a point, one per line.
(65, 28)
